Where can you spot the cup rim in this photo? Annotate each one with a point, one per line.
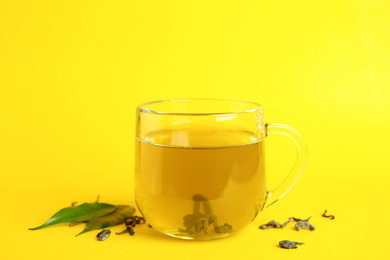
(141, 108)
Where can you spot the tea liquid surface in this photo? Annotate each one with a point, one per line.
(189, 185)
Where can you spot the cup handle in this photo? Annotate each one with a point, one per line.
(296, 171)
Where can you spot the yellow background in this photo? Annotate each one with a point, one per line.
(72, 73)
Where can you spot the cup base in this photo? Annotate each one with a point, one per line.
(186, 236)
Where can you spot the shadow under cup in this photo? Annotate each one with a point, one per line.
(200, 166)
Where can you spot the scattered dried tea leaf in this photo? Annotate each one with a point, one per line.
(103, 235)
(269, 225)
(131, 223)
(274, 224)
(135, 220)
(131, 231)
(327, 216)
(83, 212)
(287, 244)
(128, 230)
(304, 224)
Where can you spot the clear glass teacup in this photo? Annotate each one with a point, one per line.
(200, 170)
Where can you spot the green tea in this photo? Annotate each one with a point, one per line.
(227, 170)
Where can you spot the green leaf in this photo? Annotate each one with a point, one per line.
(83, 212)
(117, 217)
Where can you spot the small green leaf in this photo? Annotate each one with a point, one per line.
(83, 212)
(117, 217)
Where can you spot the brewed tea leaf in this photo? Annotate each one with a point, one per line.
(83, 212)
(119, 216)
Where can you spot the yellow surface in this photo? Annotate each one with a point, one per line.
(72, 73)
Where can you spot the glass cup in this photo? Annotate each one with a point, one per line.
(200, 165)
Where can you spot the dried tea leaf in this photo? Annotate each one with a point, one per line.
(274, 224)
(128, 230)
(287, 244)
(83, 212)
(117, 217)
(135, 220)
(103, 235)
(304, 224)
(327, 216)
